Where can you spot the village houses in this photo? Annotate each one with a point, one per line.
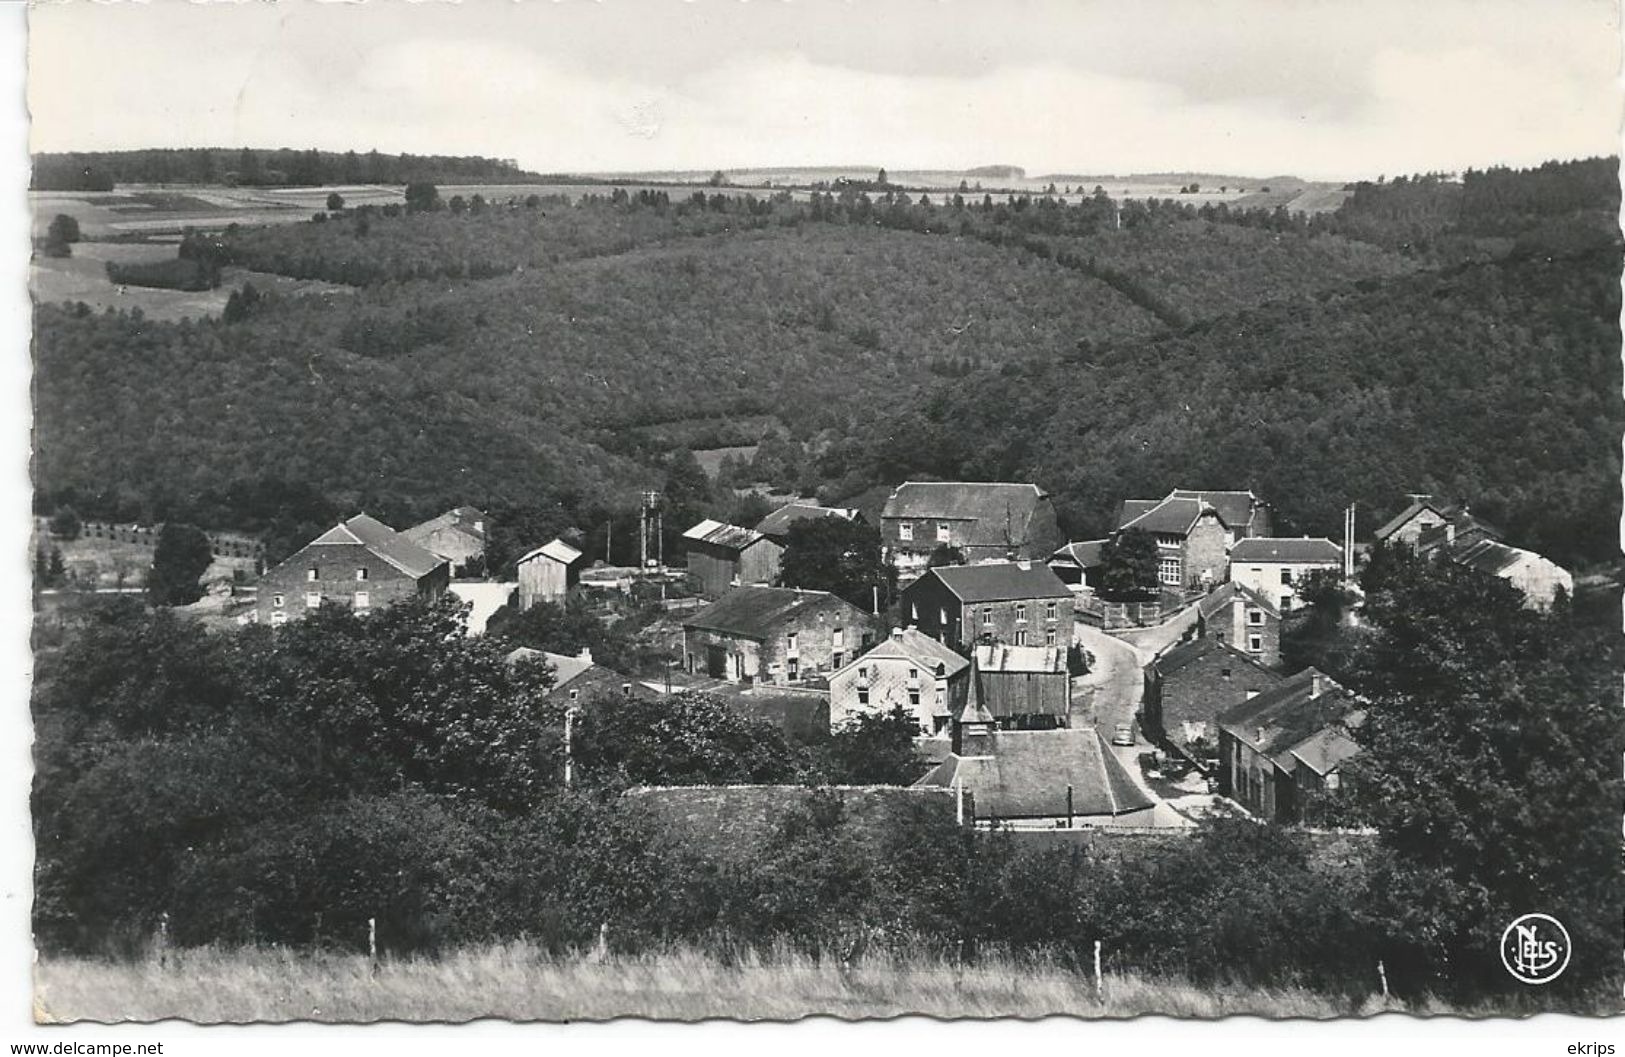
(722, 557)
(774, 635)
(1194, 531)
(776, 526)
(1280, 749)
(1019, 603)
(1453, 531)
(1276, 567)
(1190, 684)
(906, 669)
(361, 563)
(983, 521)
(1239, 616)
(1023, 687)
(1056, 779)
(458, 535)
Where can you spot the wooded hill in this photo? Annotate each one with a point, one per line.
(1099, 349)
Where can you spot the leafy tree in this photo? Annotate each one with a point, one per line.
(568, 627)
(1489, 762)
(842, 557)
(873, 748)
(422, 197)
(64, 229)
(687, 739)
(1129, 563)
(65, 523)
(241, 304)
(945, 554)
(335, 202)
(55, 571)
(182, 556)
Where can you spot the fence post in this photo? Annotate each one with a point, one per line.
(1382, 974)
(1100, 992)
(163, 939)
(372, 944)
(602, 951)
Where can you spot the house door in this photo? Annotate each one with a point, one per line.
(716, 662)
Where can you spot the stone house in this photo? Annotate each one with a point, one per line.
(578, 677)
(722, 557)
(774, 635)
(1194, 531)
(1240, 617)
(1538, 577)
(548, 573)
(1020, 603)
(1189, 685)
(1276, 567)
(905, 669)
(361, 563)
(1283, 747)
(458, 535)
(1423, 512)
(984, 521)
(1078, 564)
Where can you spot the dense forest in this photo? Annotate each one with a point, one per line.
(103, 170)
(520, 352)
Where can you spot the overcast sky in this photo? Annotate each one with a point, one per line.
(1251, 87)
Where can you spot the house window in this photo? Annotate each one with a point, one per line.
(313, 574)
(1224, 673)
(942, 532)
(1051, 611)
(278, 600)
(1255, 616)
(1049, 637)
(790, 643)
(863, 674)
(914, 612)
(837, 638)
(1021, 638)
(905, 530)
(1168, 571)
(362, 600)
(279, 617)
(987, 617)
(1021, 613)
(792, 669)
(1286, 576)
(943, 614)
(313, 599)
(1286, 603)
(942, 696)
(914, 697)
(863, 695)
(835, 659)
(1167, 541)
(1255, 643)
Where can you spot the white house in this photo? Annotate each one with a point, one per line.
(1276, 566)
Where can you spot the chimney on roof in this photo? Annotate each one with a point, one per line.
(626, 689)
(897, 633)
(1317, 685)
(1450, 532)
(1260, 738)
(585, 654)
(1025, 565)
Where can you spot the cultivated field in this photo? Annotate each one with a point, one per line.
(517, 982)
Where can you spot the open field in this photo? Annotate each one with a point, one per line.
(518, 982)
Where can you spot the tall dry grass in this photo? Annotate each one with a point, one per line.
(517, 981)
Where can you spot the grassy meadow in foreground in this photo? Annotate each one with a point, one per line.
(519, 982)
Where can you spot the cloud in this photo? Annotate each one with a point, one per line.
(1327, 90)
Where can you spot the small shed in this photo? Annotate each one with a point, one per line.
(548, 573)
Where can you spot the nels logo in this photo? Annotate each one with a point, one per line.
(1535, 949)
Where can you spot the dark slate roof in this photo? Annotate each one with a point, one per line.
(1028, 772)
(1001, 513)
(383, 541)
(1323, 751)
(1000, 581)
(1220, 598)
(925, 651)
(1171, 517)
(778, 523)
(1286, 549)
(1235, 508)
(1176, 657)
(1289, 715)
(1487, 556)
(1086, 555)
(723, 535)
(753, 612)
(1397, 522)
(1460, 527)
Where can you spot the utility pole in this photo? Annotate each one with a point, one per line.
(569, 746)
